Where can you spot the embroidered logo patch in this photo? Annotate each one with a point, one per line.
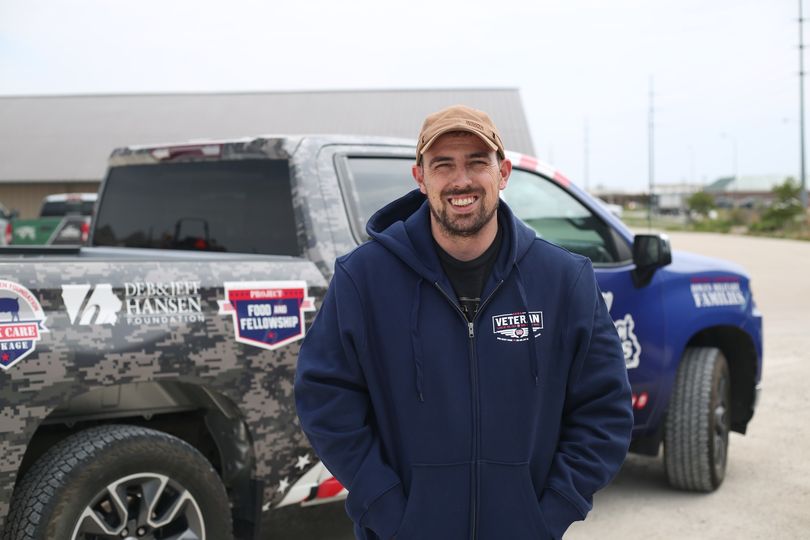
(516, 327)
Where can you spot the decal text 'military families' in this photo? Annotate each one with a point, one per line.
(724, 293)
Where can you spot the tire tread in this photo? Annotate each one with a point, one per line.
(687, 437)
(34, 497)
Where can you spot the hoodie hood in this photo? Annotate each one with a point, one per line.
(403, 228)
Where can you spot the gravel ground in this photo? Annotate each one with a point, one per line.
(766, 493)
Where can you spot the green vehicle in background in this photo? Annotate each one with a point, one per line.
(63, 220)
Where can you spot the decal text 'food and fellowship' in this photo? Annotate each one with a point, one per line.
(267, 316)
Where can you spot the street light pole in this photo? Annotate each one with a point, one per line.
(586, 157)
(651, 156)
(803, 193)
(734, 170)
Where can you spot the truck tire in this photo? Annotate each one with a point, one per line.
(123, 482)
(698, 422)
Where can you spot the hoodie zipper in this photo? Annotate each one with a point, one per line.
(476, 402)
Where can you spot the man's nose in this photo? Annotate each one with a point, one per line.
(461, 176)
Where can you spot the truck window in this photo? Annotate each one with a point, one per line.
(558, 217)
(373, 183)
(242, 206)
(552, 212)
(65, 208)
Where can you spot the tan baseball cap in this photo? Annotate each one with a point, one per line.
(459, 118)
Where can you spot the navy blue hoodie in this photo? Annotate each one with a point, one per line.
(502, 428)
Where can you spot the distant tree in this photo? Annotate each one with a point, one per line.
(788, 191)
(700, 203)
(784, 209)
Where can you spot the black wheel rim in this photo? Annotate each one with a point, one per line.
(721, 426)
(144, 506)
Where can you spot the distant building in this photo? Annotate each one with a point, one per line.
(671, 198)
(729, 192)
(746, 191)
(60, 144)
(619, 196)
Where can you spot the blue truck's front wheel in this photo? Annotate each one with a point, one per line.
(698, 421)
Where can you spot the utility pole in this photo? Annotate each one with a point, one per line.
(734, 185)
(651, 149)
(586, 156)
(803, 193)
(692, 177)
(736, 170)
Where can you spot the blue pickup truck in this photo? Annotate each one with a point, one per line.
(146, 378)
(689, 326)
(690, 329)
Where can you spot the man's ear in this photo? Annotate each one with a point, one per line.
(505, 170)
(418, 173)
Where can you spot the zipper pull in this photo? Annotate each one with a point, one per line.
(471, 329)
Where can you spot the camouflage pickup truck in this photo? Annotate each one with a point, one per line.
(147, 378)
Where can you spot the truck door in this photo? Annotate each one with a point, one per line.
(571, 220)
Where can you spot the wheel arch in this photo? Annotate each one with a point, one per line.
(207, 420)
(741, 356)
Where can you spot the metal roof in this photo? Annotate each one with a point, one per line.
(69, 138)
(746, 183)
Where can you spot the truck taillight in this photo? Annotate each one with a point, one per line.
(640, 401)
(9, 232)
(85, 228)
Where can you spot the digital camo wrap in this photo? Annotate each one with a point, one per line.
(232, 325)
(130, 321)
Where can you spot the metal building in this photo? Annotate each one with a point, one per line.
(55, 144)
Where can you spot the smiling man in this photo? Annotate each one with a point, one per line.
(463, 378)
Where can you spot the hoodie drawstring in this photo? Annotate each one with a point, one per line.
(534, 360)
(415, 341)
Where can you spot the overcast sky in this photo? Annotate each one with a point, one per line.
(725, 72)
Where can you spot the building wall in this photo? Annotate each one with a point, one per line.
(50, 138)
(26, 197)
(45, 139)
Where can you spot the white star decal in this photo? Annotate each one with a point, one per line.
(283, 485)
(303, 461)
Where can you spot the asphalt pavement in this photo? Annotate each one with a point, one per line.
(766, 493)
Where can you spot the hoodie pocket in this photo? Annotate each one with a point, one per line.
(438, 504)
(508, 506)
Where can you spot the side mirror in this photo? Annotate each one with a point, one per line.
(14, 214)
(650, 252)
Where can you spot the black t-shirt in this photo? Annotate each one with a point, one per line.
(468, 277)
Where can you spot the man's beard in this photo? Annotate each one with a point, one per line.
(467, 225)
